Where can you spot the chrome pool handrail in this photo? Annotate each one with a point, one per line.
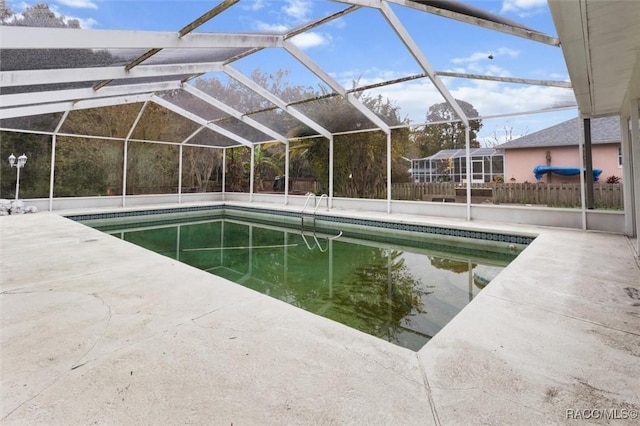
(308, 194)
(326, 197)
(315, 238)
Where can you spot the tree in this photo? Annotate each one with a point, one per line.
(267, 164)
(83, 167)
(40, 15)
(238, 160)
(198, 164)
(436, 137)
(503, 135)
(453, 265)
(34, 177)
(381, 289)
(5, 12)
(246, 100)
(359, 158)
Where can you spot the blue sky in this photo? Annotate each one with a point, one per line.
(362, 46)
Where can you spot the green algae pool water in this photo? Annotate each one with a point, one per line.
(395, 291)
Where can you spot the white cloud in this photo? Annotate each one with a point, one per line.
(413, 97)
(492, 98)
(254, 5)
(337, 23)
(488, 97)
(518, 126)
(294, 12)
(484, 56)
(311, 39)
(366, 76)
(474, 57)
(79, 4)
(84, 23)
(505, 51)
(523, 8)
(482, 69)
(297, 9)
(18, 7)
(558, 76)
(271, 28)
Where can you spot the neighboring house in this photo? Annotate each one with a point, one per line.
(559, 146)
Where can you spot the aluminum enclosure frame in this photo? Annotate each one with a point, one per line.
(177, 76)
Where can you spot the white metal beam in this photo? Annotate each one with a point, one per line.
(73, 75)
(13, 37)
(481, 22)
(468, 166)
(251, 179)
(627, 175)
(322, 21)
(180, 183)
(33, 98)
(224, 174)
(108, 138)
(550, 83)
(192, 135)
(125, 154)
(241, 78)
(324, 76)
(415, 51)
(53, 157)
(183, 32)
(634, 110)
(331, 163)
(136, 121)
(389, 172)
(25, 111)
(199, 120)
(234, 113)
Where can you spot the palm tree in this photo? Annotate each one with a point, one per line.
(266, 166)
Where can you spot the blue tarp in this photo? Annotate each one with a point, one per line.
(538, 171)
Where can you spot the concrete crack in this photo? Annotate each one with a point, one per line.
(104, 332)
(385, 367)
(75, 364)
(427, 388)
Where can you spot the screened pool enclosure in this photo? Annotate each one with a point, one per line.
(194, 97)
(450, 165)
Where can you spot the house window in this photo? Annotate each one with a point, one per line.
(619, 156)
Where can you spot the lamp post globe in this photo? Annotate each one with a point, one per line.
(22, 160)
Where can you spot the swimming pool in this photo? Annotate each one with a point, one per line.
(398, 289)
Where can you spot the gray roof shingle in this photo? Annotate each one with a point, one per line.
(603, 130)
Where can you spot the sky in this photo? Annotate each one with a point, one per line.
(361, 47)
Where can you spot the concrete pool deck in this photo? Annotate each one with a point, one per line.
(98, 331)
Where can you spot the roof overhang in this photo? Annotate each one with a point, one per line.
(601, 44)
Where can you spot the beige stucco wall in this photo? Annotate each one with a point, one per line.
(519, 162)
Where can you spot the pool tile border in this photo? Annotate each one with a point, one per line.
(408, 227)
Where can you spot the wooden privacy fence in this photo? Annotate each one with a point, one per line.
(296, 186)
(553, 195)
(426, 190)
(557, 194)
(422, 191)
(606, 196)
